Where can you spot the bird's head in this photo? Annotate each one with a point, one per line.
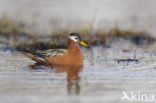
(77, 38)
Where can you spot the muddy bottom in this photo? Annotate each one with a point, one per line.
(102, 79)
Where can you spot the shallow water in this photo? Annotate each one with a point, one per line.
(101, 80)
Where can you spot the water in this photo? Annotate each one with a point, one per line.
(100, 80)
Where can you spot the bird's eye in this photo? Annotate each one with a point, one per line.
(76, 38)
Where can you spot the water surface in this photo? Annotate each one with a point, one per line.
(102, 79)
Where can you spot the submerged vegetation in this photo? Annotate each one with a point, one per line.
(16, 35)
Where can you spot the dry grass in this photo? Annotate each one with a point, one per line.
(14, 31)
(11, 27)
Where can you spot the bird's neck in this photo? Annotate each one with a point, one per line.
(73, 45)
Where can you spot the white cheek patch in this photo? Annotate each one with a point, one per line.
(73, 38)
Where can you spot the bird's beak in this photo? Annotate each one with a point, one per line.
(83, 43)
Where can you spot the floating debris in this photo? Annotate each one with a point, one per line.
(127, 60)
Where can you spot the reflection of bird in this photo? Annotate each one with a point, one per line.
(70, 56)
(72, 71)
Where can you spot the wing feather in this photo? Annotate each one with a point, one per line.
(48, 53)
(52, 52)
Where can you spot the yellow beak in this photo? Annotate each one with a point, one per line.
(83, 43)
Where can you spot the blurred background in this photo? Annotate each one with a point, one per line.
(98, 18)
(103, 19)
(54, 15)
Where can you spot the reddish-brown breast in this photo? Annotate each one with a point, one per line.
(74, 56)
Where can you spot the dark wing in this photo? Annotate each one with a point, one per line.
(48, 53)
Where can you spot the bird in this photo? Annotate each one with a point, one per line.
(70, 56)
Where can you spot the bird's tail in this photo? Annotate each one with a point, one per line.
(30, 54)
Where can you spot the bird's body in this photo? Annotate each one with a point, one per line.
(70, 56)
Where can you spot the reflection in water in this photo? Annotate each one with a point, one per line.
(73, 78)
